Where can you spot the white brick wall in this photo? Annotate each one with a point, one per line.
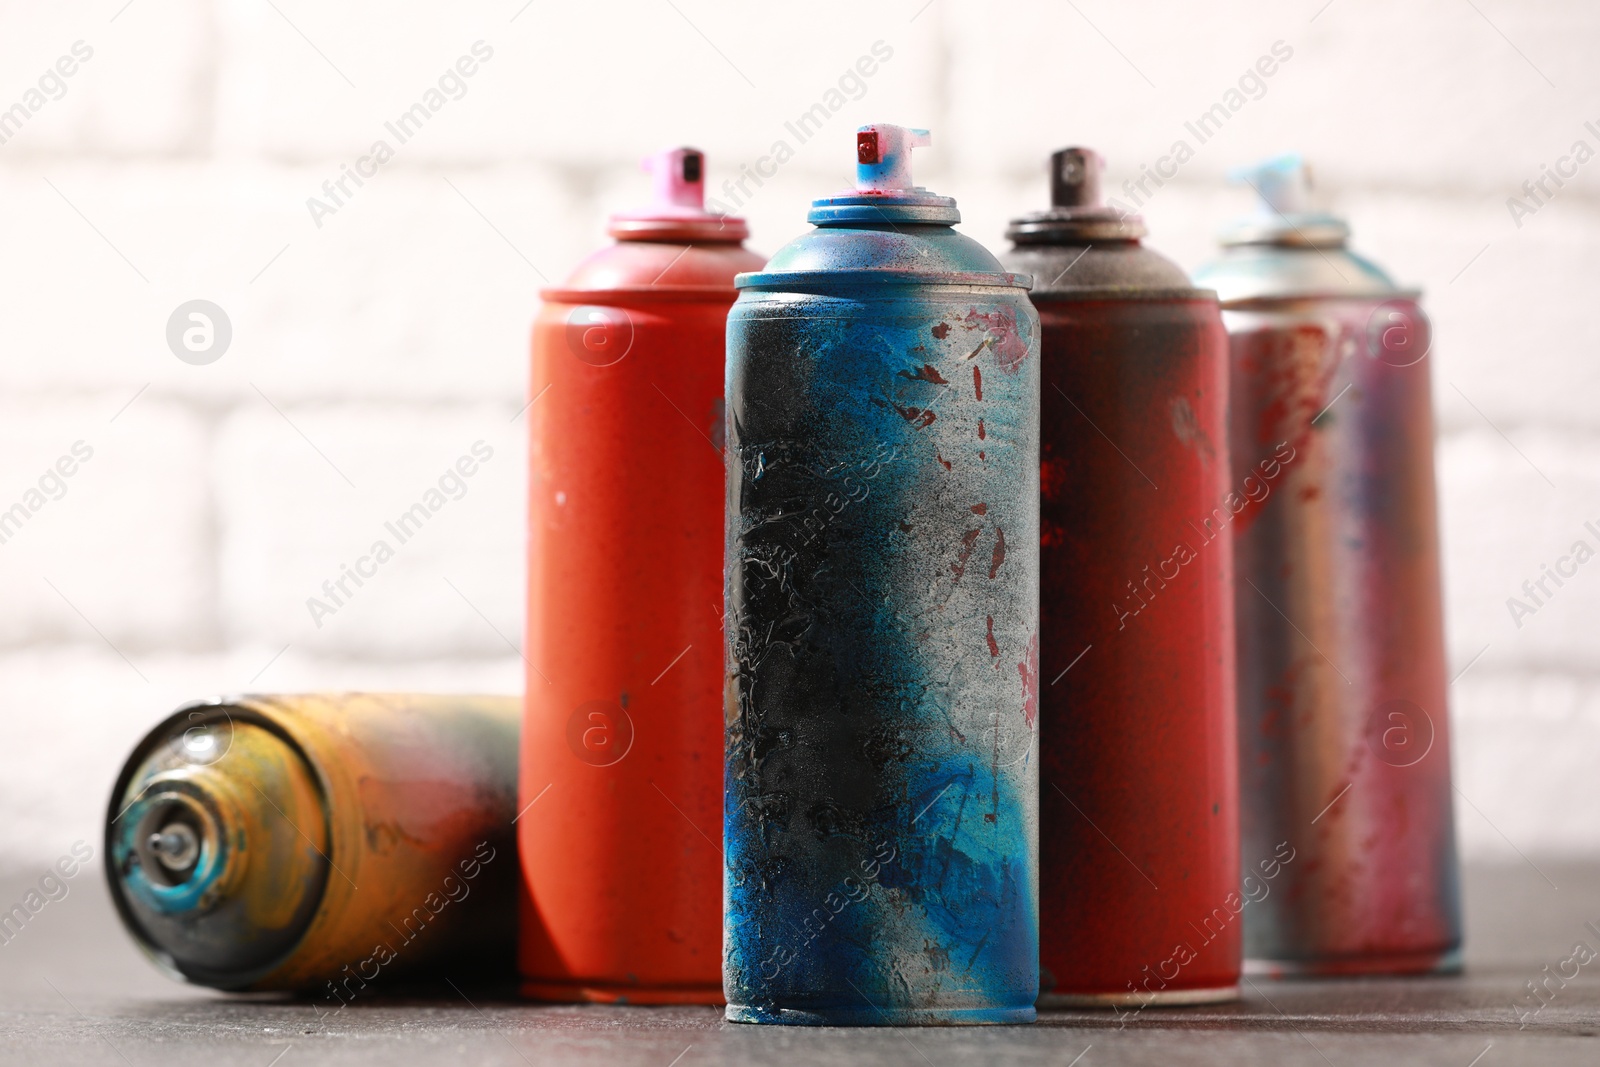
(178, 161)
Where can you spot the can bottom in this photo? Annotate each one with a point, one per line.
(1164, 998)
(620, 993)
(870, 1016)
(1416, 963)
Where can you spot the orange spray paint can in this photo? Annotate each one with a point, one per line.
(621, 787)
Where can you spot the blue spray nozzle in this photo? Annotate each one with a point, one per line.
(883, 157)
(1283, 183)
(1284, 214)
(884, 193)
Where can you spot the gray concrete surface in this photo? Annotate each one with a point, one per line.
(74, 990)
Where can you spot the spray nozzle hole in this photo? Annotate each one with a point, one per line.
(168, 842)
(867, 148)
(176, 846)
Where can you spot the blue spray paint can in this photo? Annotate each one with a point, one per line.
(882, 619)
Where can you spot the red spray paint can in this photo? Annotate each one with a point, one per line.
(1138, 820)
(621, 780)
(1343, 727)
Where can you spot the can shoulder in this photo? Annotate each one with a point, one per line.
(925, 249)
(1264, 271)
(1119, 265)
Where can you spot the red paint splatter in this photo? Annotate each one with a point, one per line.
(959, 567)
(999, 556)
(1029, 669)
(977, 381)
(994, 649)
(921, 418)
(928, 373)
(941, 459)
(982, 433)
(942, 330)
(1008, 346)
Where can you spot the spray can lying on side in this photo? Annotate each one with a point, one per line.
(320, 842)
(882, 619)
(624, 709)
(1139, 821)
(1343, 727)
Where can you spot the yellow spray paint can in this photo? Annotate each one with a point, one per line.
(317, 842)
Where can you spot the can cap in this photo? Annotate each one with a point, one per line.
(1283, 214)
(884, 189)
(677, 208)
(1078, 212)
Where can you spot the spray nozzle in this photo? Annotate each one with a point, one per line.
(678, 179)
(1283, 183)
(677, 208)
(883, 157)
(1284, 215)
(1075, 177)
(1078, 212)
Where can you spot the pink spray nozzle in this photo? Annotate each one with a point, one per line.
(678, 180)
(883, 157)
(677, 208)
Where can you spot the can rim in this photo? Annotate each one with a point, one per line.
(640, 295)
(660, 294)
(836, 278)
(1275, 300)
(707, 228)
(1123, 292)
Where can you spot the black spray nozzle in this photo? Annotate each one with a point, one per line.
(1075, 177)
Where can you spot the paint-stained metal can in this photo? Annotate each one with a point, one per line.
(1343, 722)
(882, 619)
(621, 776)
(321, 843)
(1139, 839)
